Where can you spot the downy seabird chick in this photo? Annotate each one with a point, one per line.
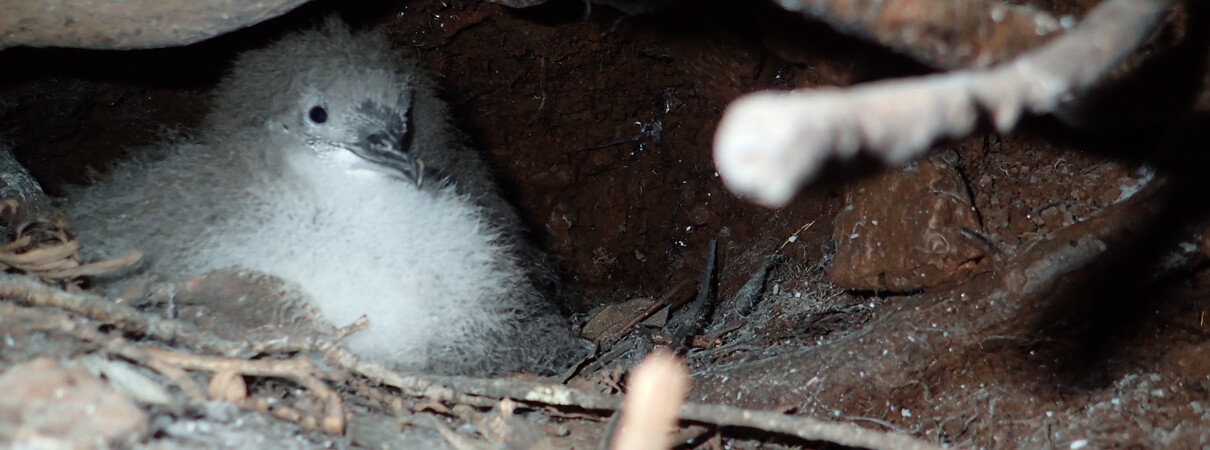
(328, 161)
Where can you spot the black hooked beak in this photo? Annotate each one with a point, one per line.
(387, 143)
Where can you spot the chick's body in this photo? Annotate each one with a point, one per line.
(328, 161)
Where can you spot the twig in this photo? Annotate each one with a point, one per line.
(481, 392)
(176, 376)
(698, 310)
(486, 392)
(169, 363)
(768, 144)
(92, 268)
(794, 237)
(575, 369)
(285, 412)
(39, 256)
(608, 357)
(57, 321)
(460, 390)
(43, 248)
(311, 343)
(27, 291)
(746, 297)
(390, 402)
(300, 369)
(802, 427)
(20, 241)
(24, 204)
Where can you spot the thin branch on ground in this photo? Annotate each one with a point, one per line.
(25, 290)
(802, 427)
(64, 323)
(28, 291)
(697, 312)
(170, 364)
(476, 392)
(42, 247)
(483, 392)
(301, 370)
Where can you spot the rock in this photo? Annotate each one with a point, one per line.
(620, 313)
(47, 403)
(128, 24)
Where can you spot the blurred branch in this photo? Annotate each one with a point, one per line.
(657, 388)
(770, 143)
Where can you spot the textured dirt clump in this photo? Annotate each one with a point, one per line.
(907, 229)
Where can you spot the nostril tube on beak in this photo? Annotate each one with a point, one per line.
(377, 139)
(384, 149)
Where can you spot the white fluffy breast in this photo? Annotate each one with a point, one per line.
(422, 266)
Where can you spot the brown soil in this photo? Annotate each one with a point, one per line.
(600, 125)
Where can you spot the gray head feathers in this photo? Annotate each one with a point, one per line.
(328, 161)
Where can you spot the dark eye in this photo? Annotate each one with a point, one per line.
(318, 114)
